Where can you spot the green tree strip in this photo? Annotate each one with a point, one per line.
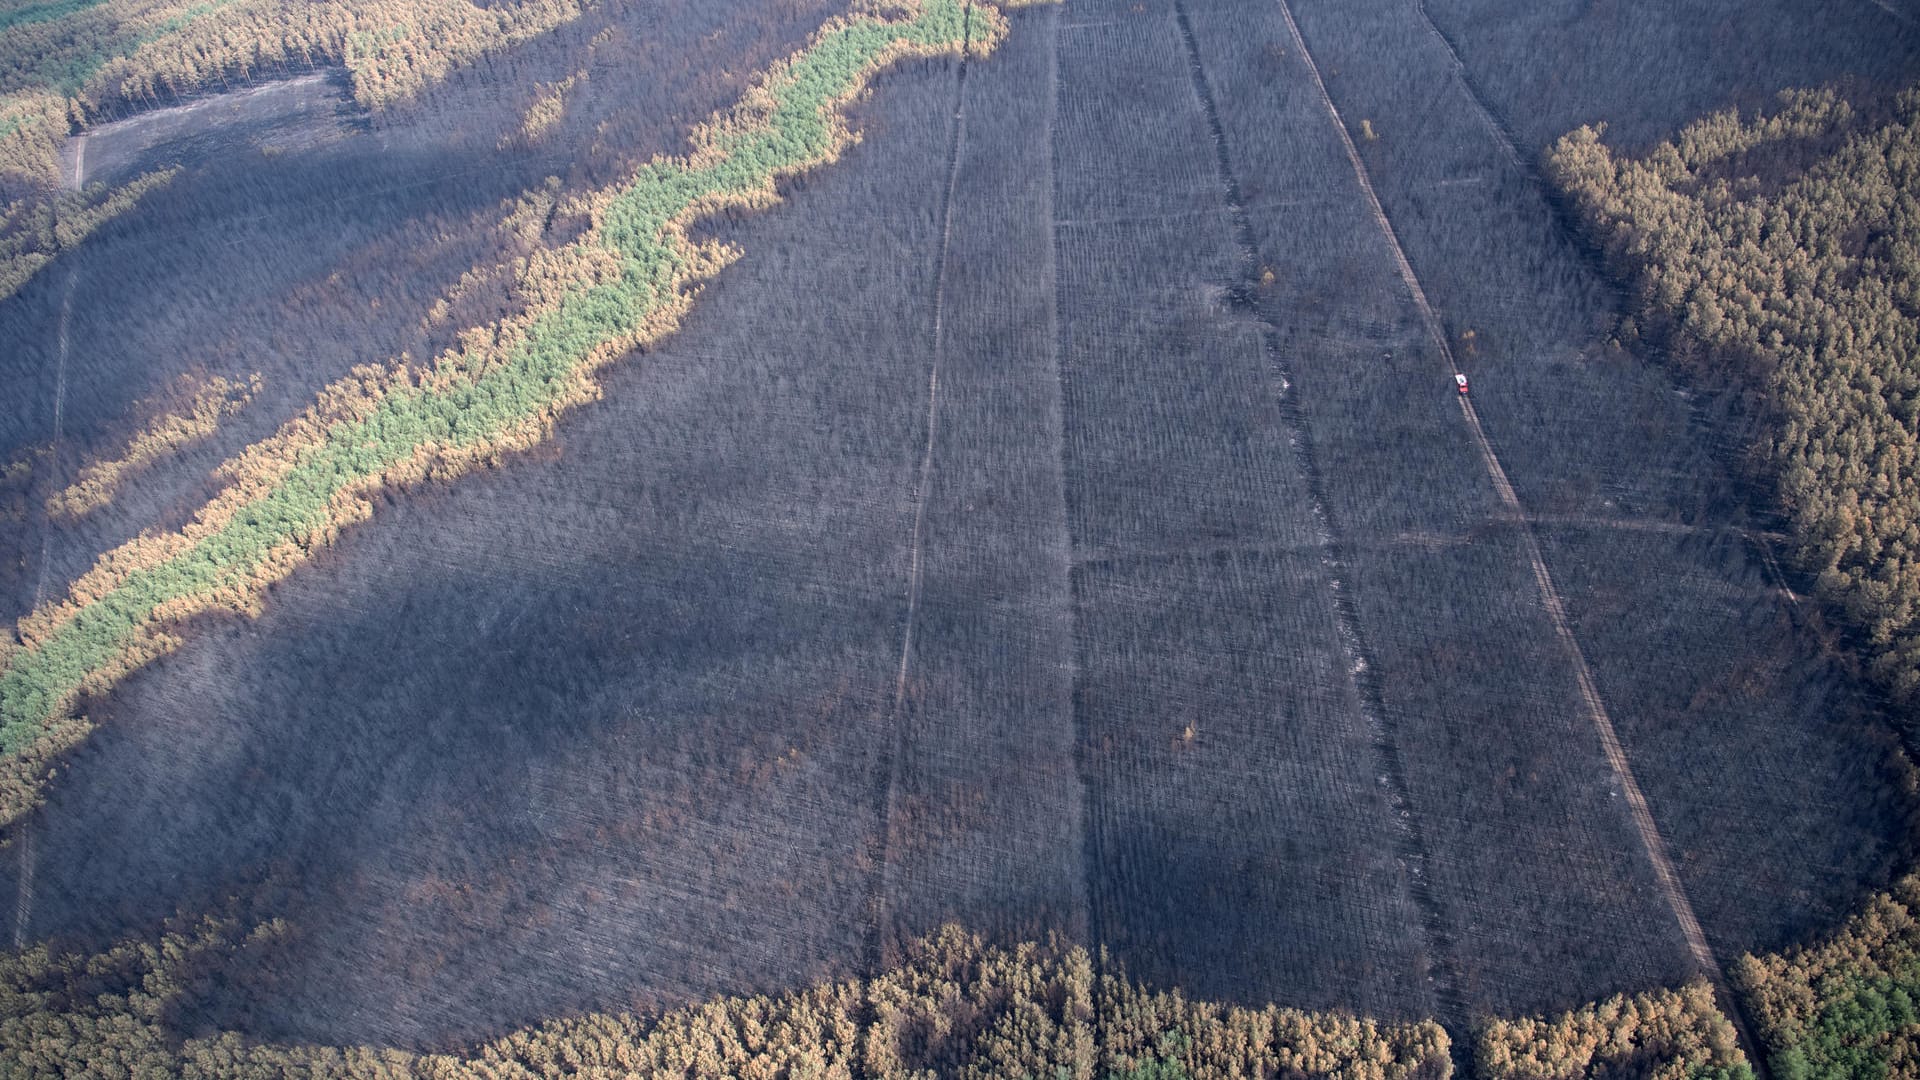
(627, 280)
(28, 14)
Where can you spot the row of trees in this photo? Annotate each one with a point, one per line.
(392, 48)
(1781, 256)
(32, 231)
(546, 110)
(1844, 1009)
(1659, 1035)
(955, 1007)
(192, 411)
(101, 59)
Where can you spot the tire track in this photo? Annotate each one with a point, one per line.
(1071, 564)
(23, 898)
(1899, 16)
(1503, 137)
(59, 413)
(1655, 846)
(1409, 837)
(23, 902)
(1765, 548)
(1057, 339)
(880, 850)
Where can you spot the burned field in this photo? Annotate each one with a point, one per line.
(1060, 519)
(299, 261)
(1648, 71)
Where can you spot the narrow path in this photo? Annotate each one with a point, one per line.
(1501, 136)
(1654, 844)
(876, 933)
(53, 455)
(1634, 524)
(1255, 549)
(1399, 541)
(1761, 545)
(1759, 540)
(1899, 16)
(1410, 841)
(23, 899)
(79, 161)
(1056, 340)
(1762, 542)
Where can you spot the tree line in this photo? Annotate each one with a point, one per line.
(1780, 256)
(959, 1006)
(201, 405)
(1847, 1007)
(33, 231)
(956, 1006)
(87, 62)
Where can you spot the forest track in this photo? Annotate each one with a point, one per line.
(1654, 844)
(53, 454)
(1281, 550)
(1404, 540)
(1763, 542)
(1492, 123)
(1765, 548)
(79, 161)
(1089, 855)
(1410, 842)
(23, 900)
(881, 851)
(1639, 524)
(1899, 16)
(1760, 540)
(1139, 219)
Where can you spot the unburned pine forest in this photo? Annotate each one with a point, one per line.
(1084, 538)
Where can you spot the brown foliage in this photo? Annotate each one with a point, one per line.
(955, 1007)
(1660, 1035)
(1781, 256)
(200, 406)
(132, 54)
(1787, 993)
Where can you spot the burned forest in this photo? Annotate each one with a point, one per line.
(1147, 539)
